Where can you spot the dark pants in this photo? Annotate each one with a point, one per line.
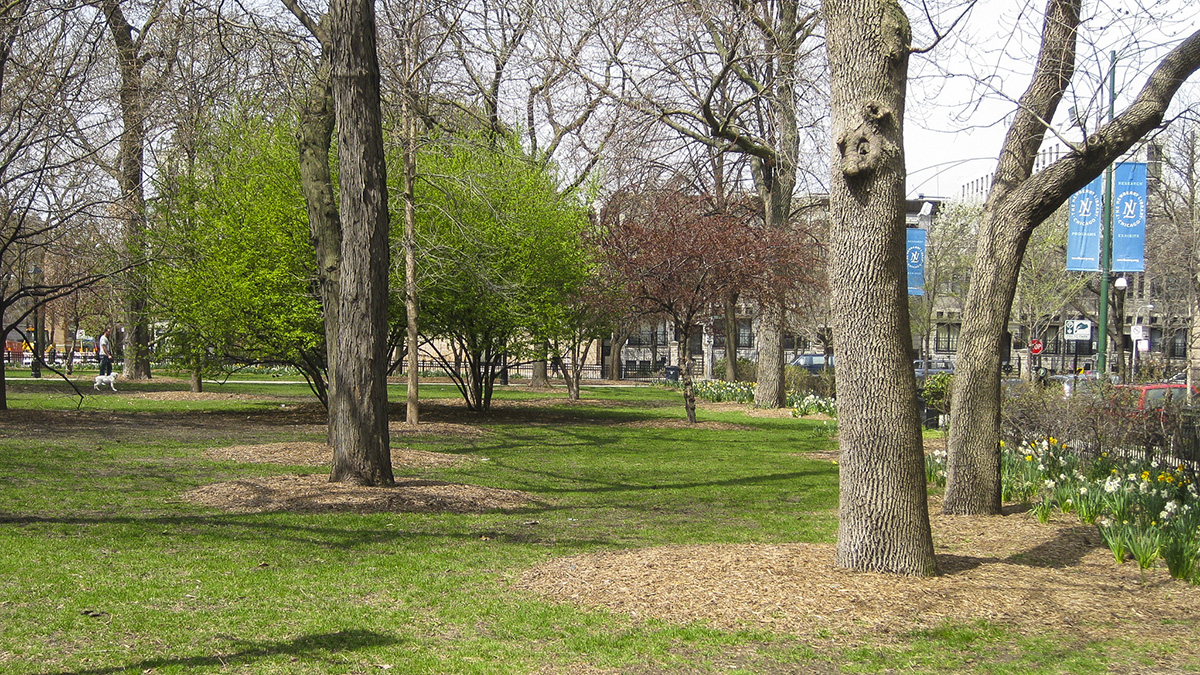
(106, 365)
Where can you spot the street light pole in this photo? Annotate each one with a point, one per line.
(1106, 236)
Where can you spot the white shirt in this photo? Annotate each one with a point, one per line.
(104, 350)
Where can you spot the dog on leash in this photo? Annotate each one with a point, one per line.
(102, 380)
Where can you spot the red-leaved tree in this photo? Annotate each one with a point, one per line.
(675, 254)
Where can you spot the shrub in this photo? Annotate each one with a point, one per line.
(747, 370)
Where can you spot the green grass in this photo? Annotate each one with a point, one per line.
(103, 569)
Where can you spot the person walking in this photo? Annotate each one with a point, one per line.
(105, 353)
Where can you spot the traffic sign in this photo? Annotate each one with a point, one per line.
(1077, 329)
(1036, 346)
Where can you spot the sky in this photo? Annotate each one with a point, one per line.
(962, 92)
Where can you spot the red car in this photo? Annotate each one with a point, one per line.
(1143, 397)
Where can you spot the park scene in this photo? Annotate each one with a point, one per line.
(617, 337)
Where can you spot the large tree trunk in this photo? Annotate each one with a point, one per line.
(358, 412)
(884, 518)
(731, 337)
(130, 62)
(770, 391)
(1018, 201)
(540, 378)
(315, 137)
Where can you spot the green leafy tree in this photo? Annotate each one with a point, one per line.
(238, 282)
(500, 254)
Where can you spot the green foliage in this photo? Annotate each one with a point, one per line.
(936, 390)
(237, 280)
(747, 370)
(500, 255)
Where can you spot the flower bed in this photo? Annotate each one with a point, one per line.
(1144, 510)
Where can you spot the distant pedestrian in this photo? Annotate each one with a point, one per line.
(52, 355)
(105, 352)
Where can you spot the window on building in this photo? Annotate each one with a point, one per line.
(745, 334)
(946, 340)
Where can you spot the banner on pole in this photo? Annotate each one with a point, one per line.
(914, 258)
(1084, 225)
(1129, 217)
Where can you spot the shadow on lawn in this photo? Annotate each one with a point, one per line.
(237, 527)
(306, 646)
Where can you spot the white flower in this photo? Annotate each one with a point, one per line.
(1083, 490)
(1049, 485)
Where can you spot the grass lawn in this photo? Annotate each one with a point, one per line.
(105, 569)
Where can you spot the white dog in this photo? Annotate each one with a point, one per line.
(102, 380)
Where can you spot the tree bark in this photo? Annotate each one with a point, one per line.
(130, 62)
(412, 414)
(540, 378)
(1019, 201)
(358, 415)
(884, 518)
(731, 338)
(314, 140)
(770, 391)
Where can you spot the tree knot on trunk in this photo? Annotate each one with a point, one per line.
(862, 149)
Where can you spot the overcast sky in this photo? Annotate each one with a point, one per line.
(962, 92)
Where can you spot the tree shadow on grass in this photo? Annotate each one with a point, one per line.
(305, 646)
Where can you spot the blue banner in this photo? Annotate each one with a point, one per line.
(914, 258)
(1083, 227)
(1129, 217)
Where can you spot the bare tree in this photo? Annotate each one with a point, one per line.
(1018, 201)
(135, 50)
(46, 176)
(742, 77)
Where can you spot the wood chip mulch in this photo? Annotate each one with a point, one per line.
(1009, 570)
(314, 493)
(320, 454)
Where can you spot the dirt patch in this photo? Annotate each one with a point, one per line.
(434, 429)
(314, 493)
(1008, 570)
(320, 454)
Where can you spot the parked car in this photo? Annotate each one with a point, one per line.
(1148, 397)
(813, 363)
(923, 367)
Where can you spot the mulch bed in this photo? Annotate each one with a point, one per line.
(314, 493)
(1009, 570)
(320, 454)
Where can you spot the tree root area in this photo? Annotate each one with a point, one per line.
(1006, 570)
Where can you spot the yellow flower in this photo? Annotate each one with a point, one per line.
(1028, 458)
(1052, 441)
(1002, 444)
(1104, 454)
(1145, 475)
